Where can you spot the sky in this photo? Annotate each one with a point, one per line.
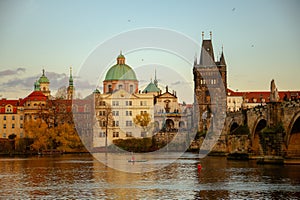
(260, 40)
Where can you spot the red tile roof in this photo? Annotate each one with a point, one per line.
(14, 103)
(258, 95)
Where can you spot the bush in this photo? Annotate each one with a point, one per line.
(135, 144)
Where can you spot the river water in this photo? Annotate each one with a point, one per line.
(84, 177)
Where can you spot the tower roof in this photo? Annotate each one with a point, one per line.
(120, 71)
(151, 87)
(222, 59)
(43, 78)
(207, 57)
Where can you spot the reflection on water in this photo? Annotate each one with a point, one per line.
(83, 177)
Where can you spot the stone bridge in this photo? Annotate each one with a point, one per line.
(273, 129)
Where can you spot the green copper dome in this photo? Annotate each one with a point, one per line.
(43, 78)
(120, 71)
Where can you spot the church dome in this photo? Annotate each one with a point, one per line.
(43, 78)
(120, 71)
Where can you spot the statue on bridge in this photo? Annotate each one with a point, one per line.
(274, 97)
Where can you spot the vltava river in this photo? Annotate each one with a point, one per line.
(83, 177)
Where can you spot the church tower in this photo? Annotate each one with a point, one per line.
(70, 89)
(210, 85)
(44, 84)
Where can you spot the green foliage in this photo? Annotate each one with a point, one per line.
(273, 129)
(135, 144)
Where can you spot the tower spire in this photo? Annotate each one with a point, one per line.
(155, 80)
(71, 78)
(202, 35)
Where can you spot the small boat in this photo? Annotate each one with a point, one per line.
(137, 160)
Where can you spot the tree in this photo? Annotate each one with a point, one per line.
(142, 120)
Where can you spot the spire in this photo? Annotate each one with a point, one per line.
(202, 35)
(71, 78)
(222, 58)
(195, 60)
(43, 72)
(155, 80)
(210, 34)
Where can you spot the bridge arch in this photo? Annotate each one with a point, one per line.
(260, 123)
(233, 126)
(293, 136)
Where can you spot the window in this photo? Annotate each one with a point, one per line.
(115, 103)
(115, 123)
(128, 113)
(143, 112)
(21, 117)
(131, 89)
(9, 109)
(115, 113)
(109, 88)
(102, 103)
(102, 113)
(12, 125)
(4, 135)
(4, 117)
(102, 134)
(128, 134)
(21, 125)
(115, 134)
(128, 103)
(21, 134)
(102, 123)
(129, 123)
(143, 103)
(120, 87)
(4, 126)
(13, 117)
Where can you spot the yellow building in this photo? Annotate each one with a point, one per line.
(11, 118)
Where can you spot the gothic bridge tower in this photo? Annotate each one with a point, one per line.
(210, 81)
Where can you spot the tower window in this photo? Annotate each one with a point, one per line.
(131, 88)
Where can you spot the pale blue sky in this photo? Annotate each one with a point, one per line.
(260, 38)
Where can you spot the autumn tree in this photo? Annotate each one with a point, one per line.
(62, 137)
(142, 120)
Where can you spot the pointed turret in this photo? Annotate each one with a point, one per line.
(195, 60)
(70, 89)
(222, 60)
